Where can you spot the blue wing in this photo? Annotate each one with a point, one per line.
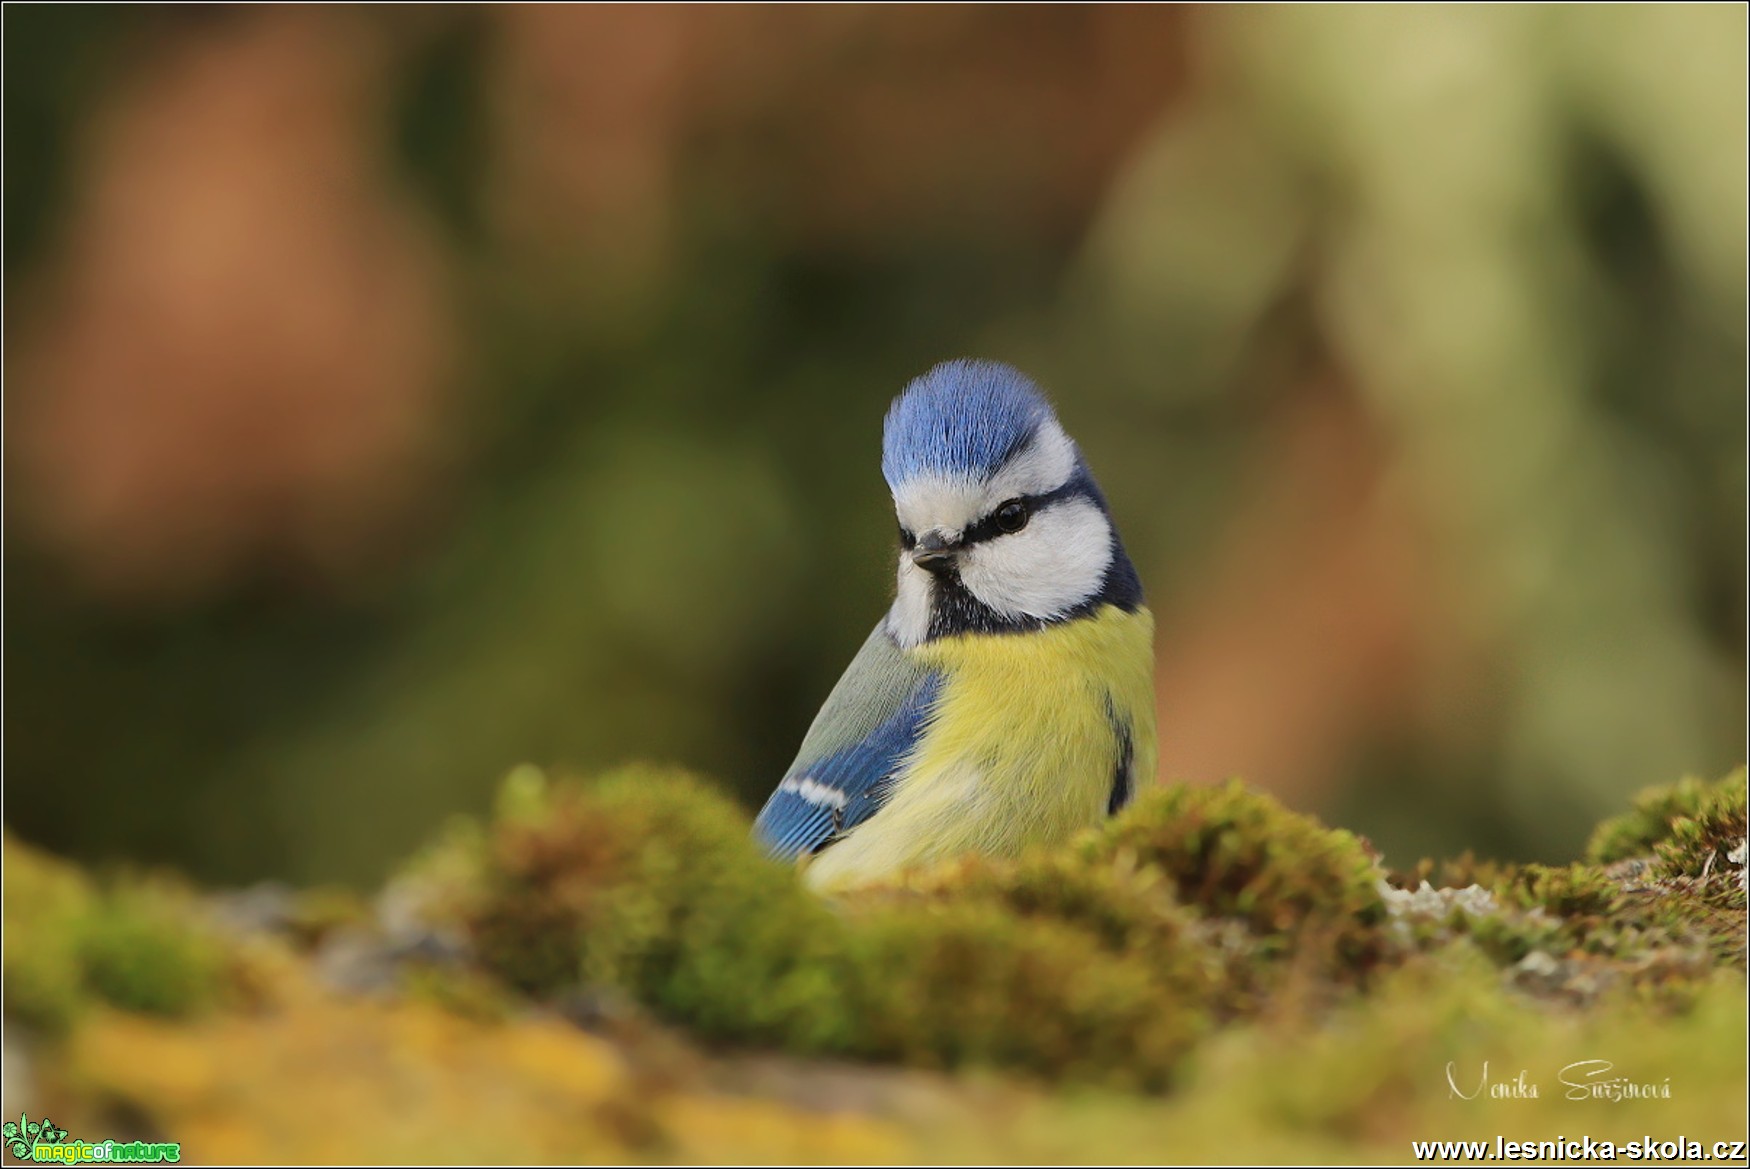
(851, 755)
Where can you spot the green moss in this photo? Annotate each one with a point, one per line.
(1207, 942)
(1691, 894)
(1658, 810)
(1507, 938)
(1659, 908)
(1459, 872)
(1703, 837)
(141, 945)
(1301, 888)
(1109, 961)
(1123, 907)
(1599, 930)
(1052, 964)
(142, 949)
(43, 897)
(1105, 960)
(1573, 891)
(969, 984)
(646, 882)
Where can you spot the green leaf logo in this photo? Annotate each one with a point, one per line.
(22, 1136)
(15, 1134)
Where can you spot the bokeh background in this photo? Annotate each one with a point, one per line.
(393, 396)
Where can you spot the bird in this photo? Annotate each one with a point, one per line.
(1005, 701)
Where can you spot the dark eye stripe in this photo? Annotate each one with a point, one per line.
(987, 528)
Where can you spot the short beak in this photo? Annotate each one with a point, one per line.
(936, 552)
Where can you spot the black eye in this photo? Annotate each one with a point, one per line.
(907, 540)
(1012, 516)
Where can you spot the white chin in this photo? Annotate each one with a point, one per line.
(908, 622)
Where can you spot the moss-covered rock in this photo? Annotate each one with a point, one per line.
(44, 898)
(142, 948)
(1303, 891)
(647, 883)
(1659, 906)
(141, 943)
(1104, 960)
(1207, 965)
(1236, 852)
(1049, 965)
(1689, 815)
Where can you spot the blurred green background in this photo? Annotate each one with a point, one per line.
(393, 396)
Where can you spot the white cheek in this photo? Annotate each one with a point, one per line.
(908, 622)
(1053, 564)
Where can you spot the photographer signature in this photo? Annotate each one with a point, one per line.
(1586, 1079)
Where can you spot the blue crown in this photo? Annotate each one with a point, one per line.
(963, 418)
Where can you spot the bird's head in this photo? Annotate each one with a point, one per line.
(1001, 526)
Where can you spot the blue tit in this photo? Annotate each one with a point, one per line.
(1006, 699)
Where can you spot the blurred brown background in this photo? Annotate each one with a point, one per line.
(392, 396)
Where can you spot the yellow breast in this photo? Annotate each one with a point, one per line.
(1021, 749)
